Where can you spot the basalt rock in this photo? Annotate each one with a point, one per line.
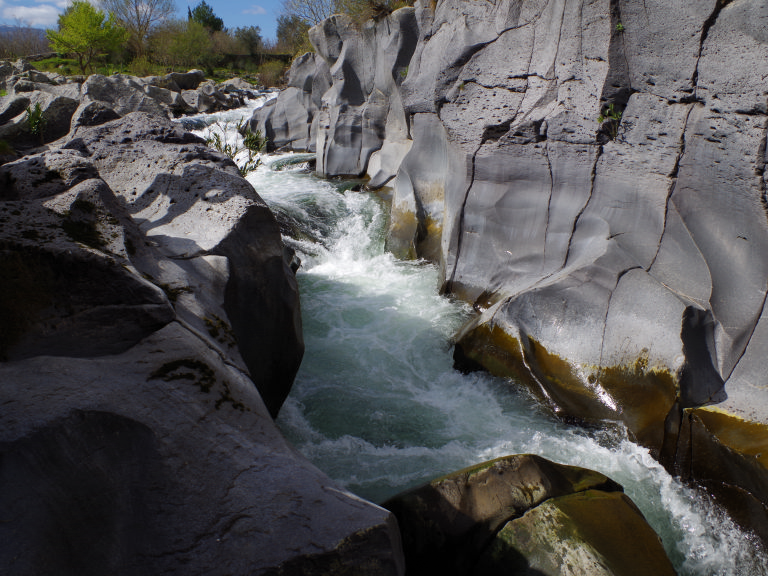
(343, 102)
(66, 103)
(149, 331)
(289, 121)
(591, 177)
(525, 515)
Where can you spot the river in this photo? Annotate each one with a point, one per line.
(378, 406)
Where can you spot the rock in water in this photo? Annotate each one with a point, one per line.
(525, 515)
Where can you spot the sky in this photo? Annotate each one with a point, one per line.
(236, 14)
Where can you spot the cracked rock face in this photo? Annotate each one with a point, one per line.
(150, 332)
(591, 176)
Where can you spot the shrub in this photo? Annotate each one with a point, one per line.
(271, 73)
(36, 121)
(253, 143)
(610, 118)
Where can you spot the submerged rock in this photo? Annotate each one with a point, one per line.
(524, 514)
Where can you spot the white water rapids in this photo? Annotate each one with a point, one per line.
(378, 407)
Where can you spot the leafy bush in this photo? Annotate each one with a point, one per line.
(253, 144)
(35, 121)
(271, 73)
(610, 118)
(140, 66)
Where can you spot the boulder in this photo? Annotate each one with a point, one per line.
(592, 533)
(121, 93)
(469, 522)
(147, 298)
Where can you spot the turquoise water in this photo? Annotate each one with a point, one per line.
(378, 407)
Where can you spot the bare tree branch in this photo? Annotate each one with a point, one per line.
(139, 16)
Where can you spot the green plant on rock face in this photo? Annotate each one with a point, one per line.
(620, 28)
(611, 117)
(35, 121)
(3, 93)
(253, 144)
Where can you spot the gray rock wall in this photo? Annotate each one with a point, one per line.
(590, 175)
(342, 101)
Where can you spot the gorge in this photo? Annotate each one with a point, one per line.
(585, 180)
(590, 177)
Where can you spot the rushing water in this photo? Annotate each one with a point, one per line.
(379, 408)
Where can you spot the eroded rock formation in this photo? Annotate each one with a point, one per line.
(150, 330)
(591, 176)
(68, 102)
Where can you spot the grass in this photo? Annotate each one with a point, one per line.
(269, 73)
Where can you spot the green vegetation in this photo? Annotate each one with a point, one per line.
(84, 32)
(6, 149)
(139, 18)
(253, 143)
(203, 14)
(292, 34)
(35, 121)
(619, 27)
(313, 11)
(610, 118)
(173, 292)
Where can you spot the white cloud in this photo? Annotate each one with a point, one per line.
(58, 3)
(255, 10)
(45, 15)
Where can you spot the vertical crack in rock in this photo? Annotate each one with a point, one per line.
(605, 318)
(700, 382)
(549, 200)
(760, 169)
(592, 177)
(708, 23)
(448, 288)
(672, 185)
(616, 10)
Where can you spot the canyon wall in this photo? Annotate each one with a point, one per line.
(591, 177)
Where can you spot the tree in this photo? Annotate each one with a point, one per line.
(203, 15)
(249, 40)
(139, 16)
(310, 11)
(84, 33)
(292, 33)
(192, 45)
(362, 10)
